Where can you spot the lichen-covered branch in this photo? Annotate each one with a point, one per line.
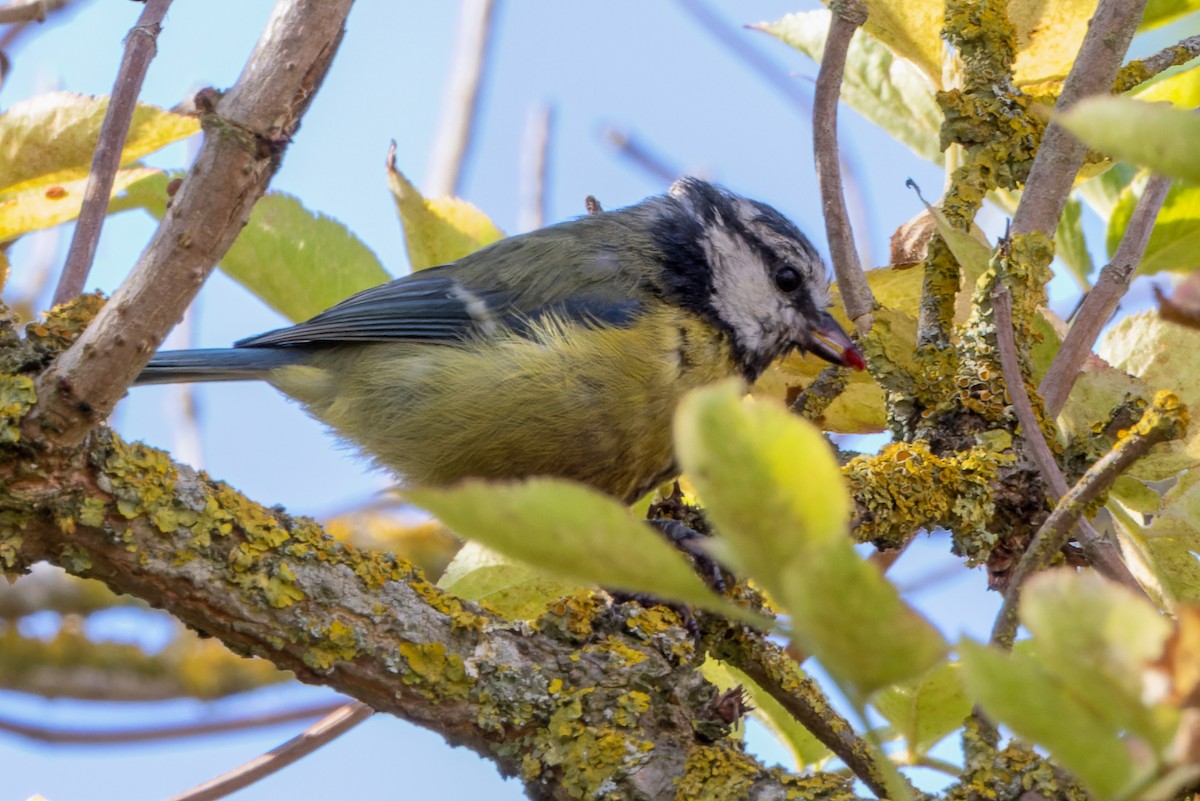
(594, 695)
(1137, 72)
(246, 132)
(1165, 419)
(772, 669)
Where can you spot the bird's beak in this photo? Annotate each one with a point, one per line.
(831, 343)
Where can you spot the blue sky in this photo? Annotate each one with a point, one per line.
(645, 67)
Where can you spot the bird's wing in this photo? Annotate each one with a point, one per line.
(464, 299)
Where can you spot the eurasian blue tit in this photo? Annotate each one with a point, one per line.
(561, 352)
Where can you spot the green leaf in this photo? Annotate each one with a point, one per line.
(1175, 240)
(1153, 135)
(512, 589)
(773, 489)
(1015, 690)
(889, 91)
(1070, 245)
(299, 262)
(573, 532)
(926, 709)
(806, 749)
(1164, 356)
(441, 230)
(1161, 12)
(1084, 625)
(49, 139)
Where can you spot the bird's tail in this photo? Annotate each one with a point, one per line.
(218, 364)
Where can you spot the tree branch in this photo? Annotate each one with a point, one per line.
(1164, 420)
(461, 101)
(45, 734)
(372, 628)
(848, 15)
(32, 10)
(1103, 298)
(321, 733)
(1061, 155)
(1137, 72)
(247, 131)
(535, 166)
(141, 45)
(1102, 553)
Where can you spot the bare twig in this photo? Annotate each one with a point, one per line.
(1102, 553)
(534, 167)
(324, 731)
(633, 150)
(140, 48)
(1166, 419)
(45, 734)
(1102, 300)
(1139, 71)
(1061, 155)
(791, 90)
(255, 119)
(748, 54)
(848, 15)
(29, 10)
(452, 140)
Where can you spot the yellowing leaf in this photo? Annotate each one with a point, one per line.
(773, 489)
(50, 138)
(441, 230)
(912, 30)
(1181, 89)
(299, 262)
(1175, 240)
(42, 206)
(1049, 33)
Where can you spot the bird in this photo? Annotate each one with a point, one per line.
(561, 352)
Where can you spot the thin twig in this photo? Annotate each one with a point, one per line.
(1166, 419)
(637, 153)
(1103, 299)
(848, 15)
(452, 140)
(28, 10)
(1061, 155)
(1102, 553)
(45, 734)
(534, 167)
(141, 45)
(1141, 70)
(774, 670)
(324, 731)
(256, 119)
(748, 54)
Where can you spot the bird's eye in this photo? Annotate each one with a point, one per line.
(787, 279)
